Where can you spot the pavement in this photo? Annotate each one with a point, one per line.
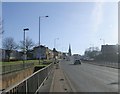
(60, 82)
(56, 82)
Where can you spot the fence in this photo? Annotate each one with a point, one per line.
(16, 67)
(32, 83)
(105, 63)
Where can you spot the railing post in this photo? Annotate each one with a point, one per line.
(26, 87)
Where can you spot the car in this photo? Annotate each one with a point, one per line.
(77, 62)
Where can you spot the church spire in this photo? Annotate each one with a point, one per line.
(69, 51)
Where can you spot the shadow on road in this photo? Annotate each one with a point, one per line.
(113, 83)
(74, 64)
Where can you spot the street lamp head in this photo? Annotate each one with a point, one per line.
(46, 16)
(26, 29)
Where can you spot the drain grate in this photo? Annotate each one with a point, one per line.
(61, 79)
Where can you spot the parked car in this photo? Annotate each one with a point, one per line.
(77, 62)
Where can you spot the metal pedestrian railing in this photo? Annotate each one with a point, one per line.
(32, 83)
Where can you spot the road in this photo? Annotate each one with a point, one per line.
(91, 78)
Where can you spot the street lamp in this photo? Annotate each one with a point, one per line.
(103, 41)
(55, 41)
(39, 33)
(55, 51)
(26, 29)
(92, 46)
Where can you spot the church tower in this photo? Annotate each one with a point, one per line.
(69, 51)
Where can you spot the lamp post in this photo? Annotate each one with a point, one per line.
(92, 46)
(39, 33)
(26, 29)
(55, 41)
(103, 41)
(55, 51)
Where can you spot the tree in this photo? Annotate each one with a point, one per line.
(9, 45)
(92, 52)
(27, 45)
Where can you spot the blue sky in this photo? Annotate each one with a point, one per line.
(81, 24)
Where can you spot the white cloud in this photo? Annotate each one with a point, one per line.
(97, 15)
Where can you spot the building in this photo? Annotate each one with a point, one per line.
(110, 53)
(14, 55)
(39, 52)
(42, 52)
(69, 51)
(109, 49)
(49, 53)
(60, 55)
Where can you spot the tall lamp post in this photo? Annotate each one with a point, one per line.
(26, 29)
(92, 46)
(54, 48)
(55, 41)
(39, 33)
(103, 41)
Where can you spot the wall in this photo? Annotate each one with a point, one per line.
(15, 77)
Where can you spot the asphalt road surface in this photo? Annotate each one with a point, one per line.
(91, 78)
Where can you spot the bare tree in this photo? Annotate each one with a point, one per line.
(92, 52)
(27, 45)
(9, 45)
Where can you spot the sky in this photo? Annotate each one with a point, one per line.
(80, 24)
